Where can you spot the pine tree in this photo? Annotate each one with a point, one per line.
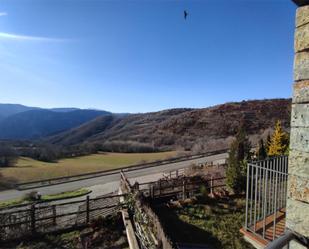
(261, 154)
(278, 144)
(237, 162)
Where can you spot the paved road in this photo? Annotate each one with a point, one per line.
(110, 183)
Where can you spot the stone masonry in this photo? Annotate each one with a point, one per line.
(298, 184)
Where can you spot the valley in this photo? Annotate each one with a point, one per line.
(154, 124)
(49, 135)
(28, 169)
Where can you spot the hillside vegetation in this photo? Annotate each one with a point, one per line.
(38, 123)
(190, 129)
(51, 134)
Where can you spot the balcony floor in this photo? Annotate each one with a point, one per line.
(257, 238)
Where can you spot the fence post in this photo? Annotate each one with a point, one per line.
(54, 215)
(183, 188)
(87, 209)
(32, 217)
(152, 191)
(211, 185)
(136, 185)
(159, 187)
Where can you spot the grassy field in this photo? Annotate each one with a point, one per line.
(214, 222)
(30, 170)
(68, 194)
(25, 199)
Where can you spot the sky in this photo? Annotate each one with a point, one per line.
(142, 56)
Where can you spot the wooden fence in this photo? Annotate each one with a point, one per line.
(148, 229)
(181, 187)
(42, 218)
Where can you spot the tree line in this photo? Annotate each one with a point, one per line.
(241, 152)
(10, 151)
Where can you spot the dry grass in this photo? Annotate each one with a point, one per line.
(30, 170)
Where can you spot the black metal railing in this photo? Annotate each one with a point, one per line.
(266, 197)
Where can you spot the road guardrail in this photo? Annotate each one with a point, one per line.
(60, 180)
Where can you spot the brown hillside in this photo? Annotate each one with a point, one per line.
(194, 129)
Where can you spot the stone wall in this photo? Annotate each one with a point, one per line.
(298, 187)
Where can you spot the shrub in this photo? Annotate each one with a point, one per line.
(237, 162)
(31, 196)
(261, 153)
(48, 154)
(8, 156)
(6, 183)
(204, 191)
(128, 146)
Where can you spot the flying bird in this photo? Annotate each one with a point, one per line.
(185, 14)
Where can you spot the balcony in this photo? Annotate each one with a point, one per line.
(265, 200)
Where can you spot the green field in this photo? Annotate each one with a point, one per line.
(28, 169)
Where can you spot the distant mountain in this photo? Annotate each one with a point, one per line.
(210, 128)
(38, 123)
(70, 109)
(11, 109)
(89, 129)
(116, 126)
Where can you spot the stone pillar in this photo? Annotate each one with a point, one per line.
(298, 183)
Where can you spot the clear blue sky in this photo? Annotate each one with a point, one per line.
(139, 56)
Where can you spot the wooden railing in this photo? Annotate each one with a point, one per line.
(181, 187)
(44, 217)
(149, 231)
(37, 218)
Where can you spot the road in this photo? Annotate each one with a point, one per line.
(109, 183)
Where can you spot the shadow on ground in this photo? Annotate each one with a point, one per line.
(182, 232)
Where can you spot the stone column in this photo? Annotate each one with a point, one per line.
(298, 183)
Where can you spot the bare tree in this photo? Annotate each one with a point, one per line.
(8, 156)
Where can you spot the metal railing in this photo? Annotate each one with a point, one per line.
(283, 242)
(266, 197)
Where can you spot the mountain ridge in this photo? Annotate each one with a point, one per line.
(180, 128)
(34, 123)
